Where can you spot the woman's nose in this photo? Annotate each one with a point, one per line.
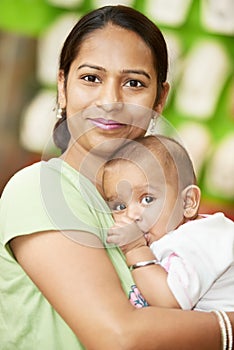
(110, 96)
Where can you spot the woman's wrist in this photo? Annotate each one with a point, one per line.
(226, 331)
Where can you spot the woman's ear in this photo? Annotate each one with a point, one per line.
(163, 97)
(61, 90)
(191, 200)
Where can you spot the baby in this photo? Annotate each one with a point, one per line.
(178, 257)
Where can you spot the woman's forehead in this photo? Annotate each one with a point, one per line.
(118, 44)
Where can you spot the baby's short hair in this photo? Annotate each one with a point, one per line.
(172, 156)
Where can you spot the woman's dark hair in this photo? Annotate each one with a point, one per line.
(122, 16)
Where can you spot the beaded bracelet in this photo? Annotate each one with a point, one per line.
(225, 329)
(143, 263)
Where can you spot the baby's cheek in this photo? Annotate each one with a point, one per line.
(151, 216)
(119, 216)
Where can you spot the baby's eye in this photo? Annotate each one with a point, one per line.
(91, 78)
(120, 207)
(147, 200)
(134, 83)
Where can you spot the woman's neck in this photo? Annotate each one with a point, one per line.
(87, 163)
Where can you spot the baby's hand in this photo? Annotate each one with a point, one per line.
(127, 235)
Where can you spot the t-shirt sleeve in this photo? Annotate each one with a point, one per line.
(183, 280)
(41, 198)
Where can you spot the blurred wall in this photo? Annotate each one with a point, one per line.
(17, 88)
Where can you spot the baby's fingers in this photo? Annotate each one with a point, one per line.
(112, 238)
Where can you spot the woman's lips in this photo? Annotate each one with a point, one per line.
(106, 124)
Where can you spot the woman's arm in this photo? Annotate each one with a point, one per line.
(81, 284)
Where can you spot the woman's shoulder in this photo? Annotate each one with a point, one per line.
(29, 202)
(32, 175)
(27, 185)
(23, 176)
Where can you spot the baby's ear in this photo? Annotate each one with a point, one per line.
(191, 201)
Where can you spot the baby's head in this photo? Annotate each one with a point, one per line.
(151, 180)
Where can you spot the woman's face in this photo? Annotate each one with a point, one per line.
(111, 89)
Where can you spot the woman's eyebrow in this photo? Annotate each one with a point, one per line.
(137, 71)
(87, 65)
(125, 71)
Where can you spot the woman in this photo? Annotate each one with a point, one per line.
(58, 288)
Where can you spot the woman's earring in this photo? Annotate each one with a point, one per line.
(59, 113)
(152, 126)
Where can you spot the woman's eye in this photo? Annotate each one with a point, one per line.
(134, 83)
(91, 78)
(120, 207)
(147, 200)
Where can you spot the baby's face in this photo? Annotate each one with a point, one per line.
(143, 196)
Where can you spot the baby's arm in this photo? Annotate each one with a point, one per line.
(150, 279)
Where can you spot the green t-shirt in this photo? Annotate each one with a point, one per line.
(47, 196)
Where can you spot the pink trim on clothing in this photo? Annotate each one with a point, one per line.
(168, 263)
